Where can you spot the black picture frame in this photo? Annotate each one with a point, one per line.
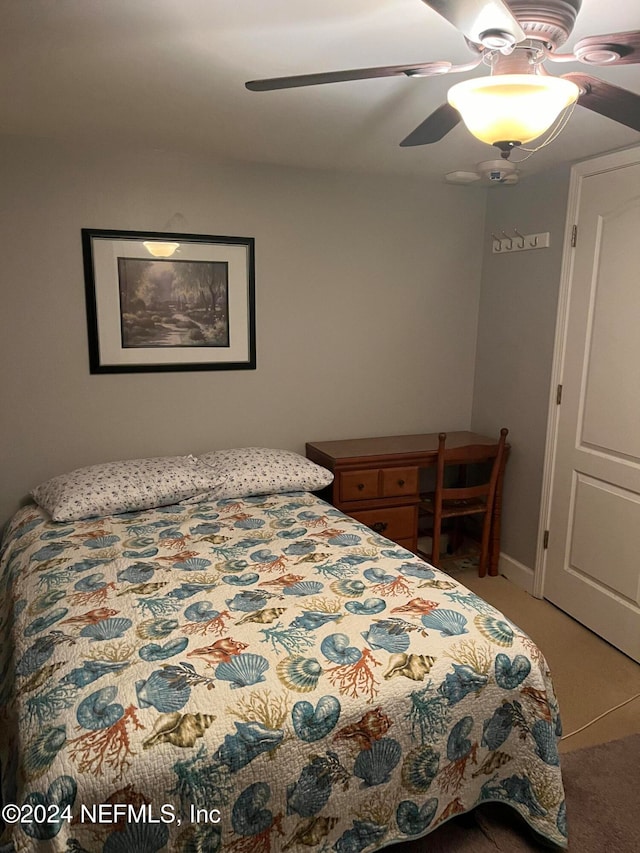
(192, 307)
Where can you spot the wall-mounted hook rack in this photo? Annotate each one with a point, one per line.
(506, 244)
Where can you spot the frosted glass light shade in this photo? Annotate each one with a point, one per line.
(512, 108)
(160, 250)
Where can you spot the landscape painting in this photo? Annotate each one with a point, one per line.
(173, 303)
(159, 301)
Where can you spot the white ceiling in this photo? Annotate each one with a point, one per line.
(170, 74)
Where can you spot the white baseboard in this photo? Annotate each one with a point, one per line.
(516, 572)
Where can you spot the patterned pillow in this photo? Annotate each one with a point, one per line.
(249, 471)
(125, 486)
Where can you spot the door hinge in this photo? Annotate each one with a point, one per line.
(559, 395)
(574, 235)
(545, 540)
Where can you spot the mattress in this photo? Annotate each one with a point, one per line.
(262, 674)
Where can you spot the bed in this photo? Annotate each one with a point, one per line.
(253, 674)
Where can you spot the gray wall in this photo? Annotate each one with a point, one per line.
(367, 309)
(516, 331)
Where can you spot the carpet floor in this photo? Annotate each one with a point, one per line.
(602, 787)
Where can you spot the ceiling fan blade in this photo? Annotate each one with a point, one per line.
(479, 19)
(434, 127)
(608, 100)
(601, 50)
(420, 69)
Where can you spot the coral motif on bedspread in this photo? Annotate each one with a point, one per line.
(255, 676)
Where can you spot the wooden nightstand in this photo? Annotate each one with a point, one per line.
(376, 480)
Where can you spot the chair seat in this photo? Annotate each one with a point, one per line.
(453, 508)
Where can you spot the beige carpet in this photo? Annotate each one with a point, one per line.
(602, 786)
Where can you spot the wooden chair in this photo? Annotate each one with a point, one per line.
(463, 499)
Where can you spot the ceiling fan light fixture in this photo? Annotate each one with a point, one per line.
(511, 108)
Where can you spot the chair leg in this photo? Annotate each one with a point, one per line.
(435, 541)
(484, 546)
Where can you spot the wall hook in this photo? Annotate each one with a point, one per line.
(510, 239)
(521, 236)
(533, 243)
(497, 243)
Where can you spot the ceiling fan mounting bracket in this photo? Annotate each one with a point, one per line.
(548, 21)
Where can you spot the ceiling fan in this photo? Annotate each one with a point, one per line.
(520, 100)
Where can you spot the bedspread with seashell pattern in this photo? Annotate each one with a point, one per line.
(254, 676)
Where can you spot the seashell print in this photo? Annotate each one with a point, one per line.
(243, 670)
(137, 573)
(383, 637)
(519, 790)
(372, 726)
(61, 793)
(299, 673)
(561, 821)
(348, 588)
(420, 768)
(263, 617)
(249, 815)
(245, 579)
(40, 752)
(92, 670)
(38, 654)
(249, 523)
(497, 728)
(362, 835)
(492, 762)
(251, 739)
(375, 764)
(417, 570)
(45, 601)
(368, 607)
(43, 622)
(546, 742)
(300, 548)
(462, 681)
(379, 576)
(178, 729)
(40, 677)
(156, 629)
(412, 666)
(193, 564)
(458, 744)
(155, 652)
(147, 837)
(248, 600)
(311, 832)
(304, 588)
(98, 712)
(312, 619)
(336, 648)
(235, 565)
(437, 584)
(311, 792)
(510, 674)
(90, 583)
(345, 539)
(107, 629)
(419, 606)
(201, 611)
(494, 629)
(413, 820)
(450, 623)
(164, 692)
(101, 542)
(293, 533)
(220, 651)
(312, 724)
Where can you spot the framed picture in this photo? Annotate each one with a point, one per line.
(161, 302)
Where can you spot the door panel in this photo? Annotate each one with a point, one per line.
(593, 559)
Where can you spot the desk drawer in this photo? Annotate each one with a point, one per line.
(395, 523)
(358, 485)
(399, 481)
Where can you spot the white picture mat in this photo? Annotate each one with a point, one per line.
(106, 252)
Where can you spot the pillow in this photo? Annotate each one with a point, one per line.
(125, 486)
(249, 471)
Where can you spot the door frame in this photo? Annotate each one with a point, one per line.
(579, 171)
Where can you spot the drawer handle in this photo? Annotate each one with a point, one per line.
(360, 486)
(379, 526)
(401, 482)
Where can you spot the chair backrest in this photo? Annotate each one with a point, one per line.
(469, 455)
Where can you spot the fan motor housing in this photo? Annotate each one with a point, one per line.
(548, 21)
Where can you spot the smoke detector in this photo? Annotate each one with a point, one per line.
(493, 172)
